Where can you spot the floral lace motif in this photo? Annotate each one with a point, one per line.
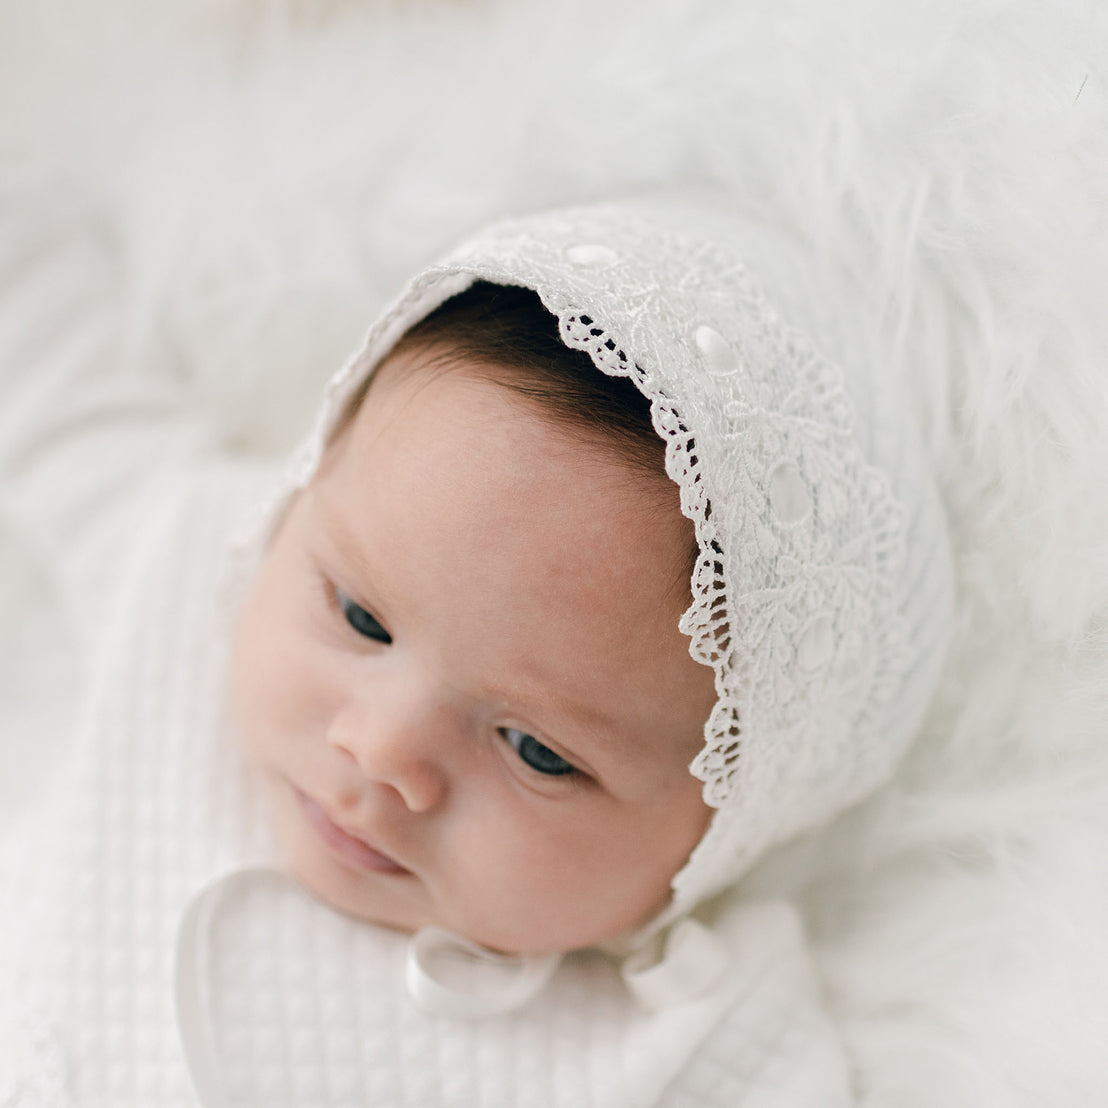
(799, 587)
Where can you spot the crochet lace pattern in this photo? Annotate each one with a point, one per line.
(797, 595)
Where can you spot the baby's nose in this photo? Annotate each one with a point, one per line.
(398, 747)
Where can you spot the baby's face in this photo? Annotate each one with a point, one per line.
(460, 672)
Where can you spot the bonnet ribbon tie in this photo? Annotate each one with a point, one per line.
(448, 975)
(693, 962)
(190, 994)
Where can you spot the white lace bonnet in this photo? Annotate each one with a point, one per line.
(821, 598)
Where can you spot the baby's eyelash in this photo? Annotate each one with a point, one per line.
(358, 619)
(538, 756)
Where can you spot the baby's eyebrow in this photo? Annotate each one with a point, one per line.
(330, 518)
(593, 731)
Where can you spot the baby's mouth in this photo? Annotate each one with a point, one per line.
(348, 848)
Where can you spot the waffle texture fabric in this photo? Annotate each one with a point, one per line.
(152, 952)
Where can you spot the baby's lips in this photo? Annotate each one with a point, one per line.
(351, 849)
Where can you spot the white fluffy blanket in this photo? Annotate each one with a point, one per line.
(271, 169)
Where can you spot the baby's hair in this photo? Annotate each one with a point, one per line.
(506, 333)
(505, 329)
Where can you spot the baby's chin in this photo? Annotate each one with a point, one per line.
(397, 899)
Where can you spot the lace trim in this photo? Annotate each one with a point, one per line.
(828, 609)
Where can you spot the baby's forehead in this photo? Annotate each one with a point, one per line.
(412, 379)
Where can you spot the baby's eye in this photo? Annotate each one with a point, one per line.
(361, 620)
(537, 756)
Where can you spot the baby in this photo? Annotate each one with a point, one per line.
(593, 582)
(459, 665)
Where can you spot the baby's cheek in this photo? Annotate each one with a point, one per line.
(535, 885)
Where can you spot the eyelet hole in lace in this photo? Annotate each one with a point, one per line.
(718, 354)
(788, 494)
